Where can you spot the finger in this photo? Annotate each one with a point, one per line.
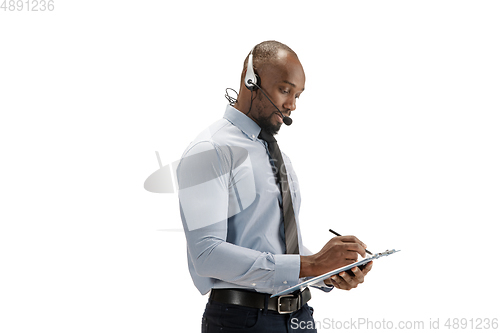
(351, 239)
(328, 281)
(355, 248)
(352, 283)
(349, 261)
(340, 283)
(349, 255)
(360, 276)
(368, 268)
(332, 282)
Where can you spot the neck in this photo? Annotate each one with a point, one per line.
(244, 104)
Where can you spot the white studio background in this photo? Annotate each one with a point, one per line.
(395, 140)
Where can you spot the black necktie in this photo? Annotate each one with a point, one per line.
(291, 238)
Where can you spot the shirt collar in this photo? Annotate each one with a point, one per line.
(243, 122)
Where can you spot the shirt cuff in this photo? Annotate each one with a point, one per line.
(287, 271)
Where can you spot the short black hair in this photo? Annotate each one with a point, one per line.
(265, 52)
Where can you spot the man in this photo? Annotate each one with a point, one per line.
(240, 202)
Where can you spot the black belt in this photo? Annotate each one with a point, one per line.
(282, 304)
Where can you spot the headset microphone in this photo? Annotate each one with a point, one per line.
(252, 81)
(287, 120)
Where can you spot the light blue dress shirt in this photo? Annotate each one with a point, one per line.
(230, 210)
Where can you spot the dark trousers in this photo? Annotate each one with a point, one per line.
(220, 317)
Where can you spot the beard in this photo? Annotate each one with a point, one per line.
(265, 122)
(267, 126)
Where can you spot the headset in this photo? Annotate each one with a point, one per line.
(252, 82)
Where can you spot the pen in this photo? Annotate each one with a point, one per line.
(337, 234)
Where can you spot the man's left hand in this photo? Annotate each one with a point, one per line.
(347, 282)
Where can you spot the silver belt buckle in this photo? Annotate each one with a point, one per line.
(279, 304)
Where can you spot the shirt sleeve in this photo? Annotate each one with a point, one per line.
(204, 178)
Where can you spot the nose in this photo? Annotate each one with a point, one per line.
(290, 104)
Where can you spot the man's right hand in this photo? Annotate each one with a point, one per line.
(338, 252)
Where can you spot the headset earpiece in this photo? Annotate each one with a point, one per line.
(252, 80)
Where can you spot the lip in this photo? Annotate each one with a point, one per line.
(280, 119)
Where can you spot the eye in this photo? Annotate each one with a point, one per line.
(285, 91)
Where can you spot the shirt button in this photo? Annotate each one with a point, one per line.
(253, 136)
(254, 284)
(285, 282)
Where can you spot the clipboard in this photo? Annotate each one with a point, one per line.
(334, 272)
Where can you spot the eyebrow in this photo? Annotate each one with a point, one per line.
(292, 84)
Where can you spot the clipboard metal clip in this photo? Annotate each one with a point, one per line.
(383, 254)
